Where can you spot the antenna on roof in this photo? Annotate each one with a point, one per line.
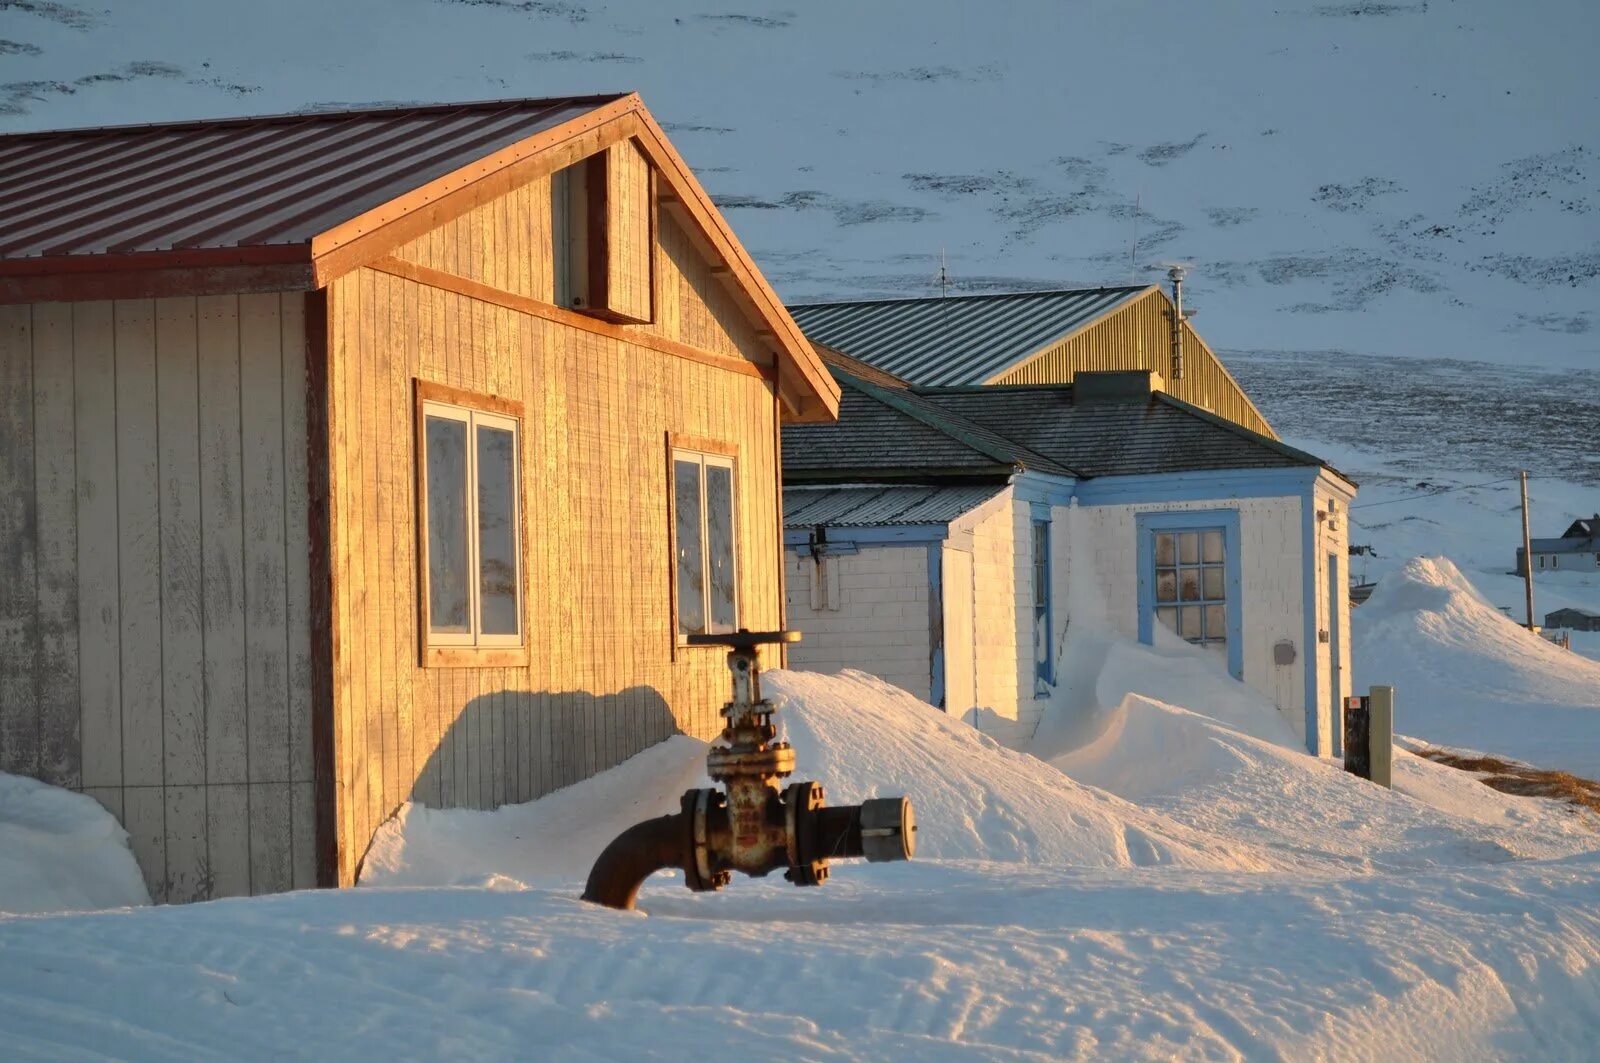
(944, 275)
(1133, 252)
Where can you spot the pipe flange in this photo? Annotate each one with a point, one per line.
(801, 802)
(699, 875)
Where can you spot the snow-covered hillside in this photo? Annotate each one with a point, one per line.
(1408, 178)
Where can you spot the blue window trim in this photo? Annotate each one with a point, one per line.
(1146, 525)
(1046, 669)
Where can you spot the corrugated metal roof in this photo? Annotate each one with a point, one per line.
(959, 340)
(878, 505)
(261, 182)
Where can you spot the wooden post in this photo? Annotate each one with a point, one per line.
(1380, 735)
(1527, 551)
(1357, 729)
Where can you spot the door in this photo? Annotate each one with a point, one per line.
(1335, 658)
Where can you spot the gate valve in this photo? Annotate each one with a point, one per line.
(751, 825)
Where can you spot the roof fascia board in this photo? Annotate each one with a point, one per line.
(713, 228)
(146, 283)
(1206, 485)
(894, 474)
(1030, 486)
(871, 534)
(1072, 334)
(374, 233)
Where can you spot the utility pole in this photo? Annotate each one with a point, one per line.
(1527, 551)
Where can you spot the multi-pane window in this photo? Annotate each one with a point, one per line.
(706, 567)
(1041, 606)
(1191, 587)
(472, 533)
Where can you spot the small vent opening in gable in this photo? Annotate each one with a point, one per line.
(603, 229)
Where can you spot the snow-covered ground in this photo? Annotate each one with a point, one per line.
(1189, 890)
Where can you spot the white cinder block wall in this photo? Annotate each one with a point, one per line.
(881, 625)
(1001, 629)
(1270, 555)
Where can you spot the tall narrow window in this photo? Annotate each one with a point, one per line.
(471, 526)
(1043, 670)
(706, 565)
(1192, 586)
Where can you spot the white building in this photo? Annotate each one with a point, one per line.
(927, 541)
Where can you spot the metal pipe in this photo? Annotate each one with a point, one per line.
(635, 855)
(752, 825)
(1176, 274)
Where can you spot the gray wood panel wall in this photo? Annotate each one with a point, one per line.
(154, 630)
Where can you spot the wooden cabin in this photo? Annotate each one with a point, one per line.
(1044, 337)
(356, 458)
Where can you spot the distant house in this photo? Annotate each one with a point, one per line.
(1044, 337)
(1573, 619)
(930, 535)
(361, 457)
(1578, 548)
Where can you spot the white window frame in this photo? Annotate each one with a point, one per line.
(722, 461)
(475, 638)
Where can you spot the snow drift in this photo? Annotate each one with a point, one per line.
(61, 851)
(1467, 675)
(859, 737)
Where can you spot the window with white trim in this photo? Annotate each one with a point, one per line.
(706, 571)
(1191, 591)
(471, 502)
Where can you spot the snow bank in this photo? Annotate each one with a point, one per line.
(975, 799)
(1308, 813)
(1466, 675)
(60, 851)
(859, 737)
(556, 837)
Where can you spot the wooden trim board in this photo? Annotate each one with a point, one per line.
(472, 289)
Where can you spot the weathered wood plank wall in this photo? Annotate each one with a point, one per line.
(1139, 336)
(154, 634)
(605, 679)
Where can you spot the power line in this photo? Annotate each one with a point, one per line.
(1437, 491)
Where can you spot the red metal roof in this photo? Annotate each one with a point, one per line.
(242, 183)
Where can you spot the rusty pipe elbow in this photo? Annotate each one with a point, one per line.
(635, 855)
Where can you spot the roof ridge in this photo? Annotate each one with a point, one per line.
(962, 429)
(285, 117)
(975, 296)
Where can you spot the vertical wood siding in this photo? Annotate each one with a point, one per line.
(1139, 337)
(154, 639)
(604, 679)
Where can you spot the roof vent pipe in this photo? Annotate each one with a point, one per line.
(1175, 274)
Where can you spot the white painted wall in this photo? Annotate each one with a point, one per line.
(881, 625)
(1271, 581)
